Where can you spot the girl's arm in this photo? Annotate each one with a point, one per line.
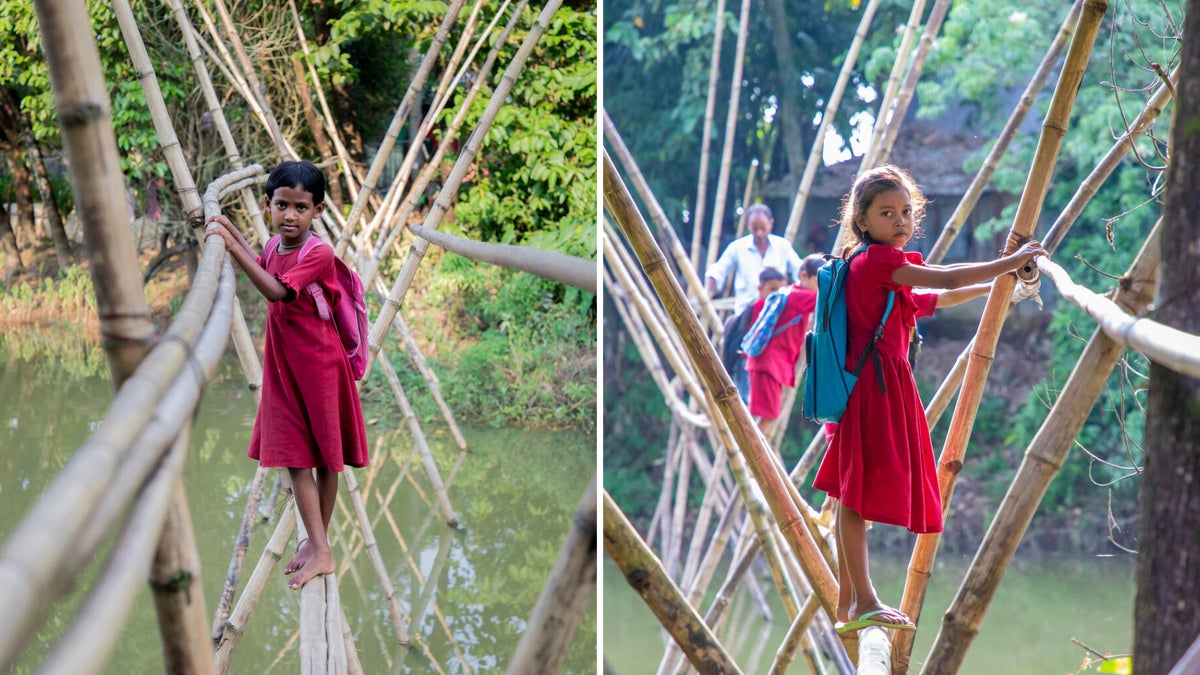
(245, 256)
(961, 295)
(965, 275)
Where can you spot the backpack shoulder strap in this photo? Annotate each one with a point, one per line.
(269, 249)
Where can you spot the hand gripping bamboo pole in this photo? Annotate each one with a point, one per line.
(1043, 459)
(408, 270)
(731, 118)
(710, 108)
(644, 572)
(815, 156)
(717, 382)
(568, 592)
(950, 462)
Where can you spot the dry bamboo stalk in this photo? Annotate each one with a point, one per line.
(950, 461)
(666, 230)
(568, 592)
(815, 156)
(236, 625)
(731, 118)
(645, 574)
(334, 619)
(408, 271)
(698, 586)
(888, 99)
(241, 543)
(748, 439)
(255, 87)
(414, 428)
(433, 166)
(178, 590)
(389, 592)
(874, 652)
(218, 116)
(398, 119)
(671, 548)
(712, 495)
(904, 97)
(710, 108)
(797, 631)
(982, 177)
(1041, 462)
(89, 640)
(314, 645)
(746, 196)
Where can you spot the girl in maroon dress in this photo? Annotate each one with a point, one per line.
(310, 418)
(880, 465)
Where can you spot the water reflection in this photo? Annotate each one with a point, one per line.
(466, 592)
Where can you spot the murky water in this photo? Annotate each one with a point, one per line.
(1039, 607)
(469, 591)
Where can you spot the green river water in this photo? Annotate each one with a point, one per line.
(514, 495)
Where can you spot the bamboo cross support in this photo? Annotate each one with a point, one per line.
(893, 85)
(950, 461)
(710, 107)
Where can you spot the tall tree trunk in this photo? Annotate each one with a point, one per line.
(54, 222)
(12, 254)
(318, 132)
(1166, 619)
(22, 179)
(789, 105)
(10, 112)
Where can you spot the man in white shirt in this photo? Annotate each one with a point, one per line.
(746, 257)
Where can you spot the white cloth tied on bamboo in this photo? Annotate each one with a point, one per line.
(1027, 289)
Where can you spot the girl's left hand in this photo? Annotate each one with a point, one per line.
(1027, 253)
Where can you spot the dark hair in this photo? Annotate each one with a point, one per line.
(759, 208)
(770, 274)
(811, 263)
(867, 187)
(302, 174)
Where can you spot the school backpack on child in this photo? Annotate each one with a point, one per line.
(763, 330)
(827, 383)
(350, 314)
(735, 330)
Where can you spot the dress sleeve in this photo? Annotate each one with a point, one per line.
(313, 267)
(925, 302)
(719, 270)
(883, 260)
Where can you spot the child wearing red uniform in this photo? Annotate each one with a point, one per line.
(310, 418)
(880, 464)
(775, 367)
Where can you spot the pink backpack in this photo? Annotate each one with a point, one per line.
(350, 314)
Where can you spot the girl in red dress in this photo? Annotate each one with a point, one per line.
(310, 418)
(880, 465)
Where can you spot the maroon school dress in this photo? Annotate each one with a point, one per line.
(310, 414)
(880, 461)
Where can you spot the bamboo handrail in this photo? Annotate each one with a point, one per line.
(710, 108)
(1043, 459)
(731, 118)
(827, 114)
(645, 574)
(950, 461)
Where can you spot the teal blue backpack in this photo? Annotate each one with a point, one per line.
(827, 383)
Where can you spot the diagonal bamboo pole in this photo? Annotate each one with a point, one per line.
(747, 195)
(967, 204)
(731, 118)
(710, 108)
(1043, 459)
(716, 381)
(904, 97)
(255, 88)
(408, 271)
(828, 113)
(376, 558)
(950, 462)
(644, 572)
(568, 592)
(888, 100)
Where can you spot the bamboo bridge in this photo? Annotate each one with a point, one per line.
(750, 503)
(132, 465)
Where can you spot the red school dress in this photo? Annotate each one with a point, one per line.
(880, 461)
(775, 367)
(310, 414)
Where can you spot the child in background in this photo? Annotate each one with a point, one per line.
(775, 367)
(310, 419)
(880, 464)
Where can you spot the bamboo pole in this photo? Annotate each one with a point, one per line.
(398, 119)
(1042, 461)
(665, 229)
(874, 652)
(645, 574)
(904, 97)
(716, 380)
(389, 593)
(408, 271)
(710, 107)
(568, 592)
(255, 88)
(747, 195)
(1190, 661)
(731, 118)
(815, 155)
(950, 462)
(982, 177)
(888, 100)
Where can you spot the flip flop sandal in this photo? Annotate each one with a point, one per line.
(869, 619)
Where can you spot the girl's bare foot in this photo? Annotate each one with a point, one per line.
(320, 562)
(302, 555)
(843, 613)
